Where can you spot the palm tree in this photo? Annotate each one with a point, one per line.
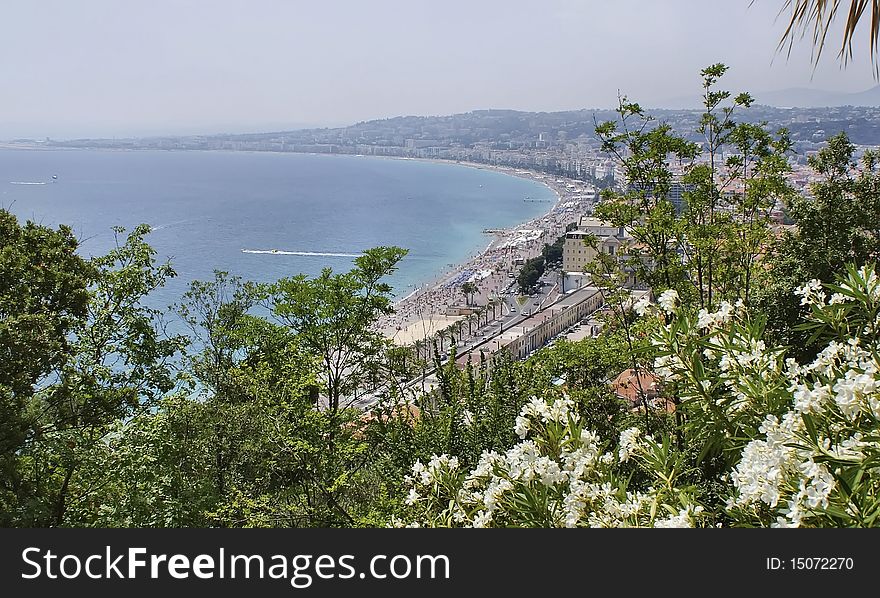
(468, 289)
(441, 334)
(493, 302)
(816, 17)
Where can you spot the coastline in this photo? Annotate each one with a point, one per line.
(424, 311)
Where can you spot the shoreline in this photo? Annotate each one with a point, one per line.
(423, 312)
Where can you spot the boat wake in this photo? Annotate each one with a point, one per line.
(302, 253)
(175, 223)
(26, 183)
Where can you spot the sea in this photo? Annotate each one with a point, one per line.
(264, 216)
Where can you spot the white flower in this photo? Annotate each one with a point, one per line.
(482, 519)
(807, 400)
(836, 299)
(666, 366)
(704, 319)
(412, 498)
(668, 300)
(522, 426)
(811, 293)
(628, 443)
(641, 306)
(683, 519)
(782, 522)
(467, 418)
(535, 408)
(724, 313)
(558, 411)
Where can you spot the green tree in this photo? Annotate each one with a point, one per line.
(552, 254)
(101, 357)
(332, 317)
(531, 271)
(836, 222)
(723, 228)
(468, 289)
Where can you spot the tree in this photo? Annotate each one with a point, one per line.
(721, 230)
(836, 222)
(332, 317)
(494, 303)
(552, 254)
(99, 356)
(217, 314)
(43, 298)
(468, 289)
(531, 271)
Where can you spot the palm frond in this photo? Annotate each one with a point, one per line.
(815, 17)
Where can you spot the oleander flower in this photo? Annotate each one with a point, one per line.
(668, 300)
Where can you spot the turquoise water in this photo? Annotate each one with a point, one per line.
(316, 210)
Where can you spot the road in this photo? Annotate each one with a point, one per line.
(512, 314)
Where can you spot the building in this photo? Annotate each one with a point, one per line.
(524, 338)
(675, 194)
(635, 388)
(582, 244)
(542, 327)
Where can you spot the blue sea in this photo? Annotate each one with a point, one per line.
(263, 216)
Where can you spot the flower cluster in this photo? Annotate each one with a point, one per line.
(668, 301)
(811, 293)
(800, 442)
(558, 476)
(812, 429)
(717, 319)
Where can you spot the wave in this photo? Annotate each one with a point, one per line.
(304, 253)
(26, 183)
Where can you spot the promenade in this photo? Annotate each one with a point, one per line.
(426, 311)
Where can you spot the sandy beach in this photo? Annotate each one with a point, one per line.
(424, 312)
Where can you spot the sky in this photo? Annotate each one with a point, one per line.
(111, 68)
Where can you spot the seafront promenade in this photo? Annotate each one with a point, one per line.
(427, 310)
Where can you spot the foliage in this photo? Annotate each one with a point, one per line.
(708, 251)
(836, 223)
(332, 316)
(559, 475)
(552, 254)
(468, 289)
(97, 357)
(529, 274)
(818, 16)
(799, 443)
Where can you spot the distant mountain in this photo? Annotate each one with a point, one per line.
(793, 97)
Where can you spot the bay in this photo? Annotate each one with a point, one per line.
(263, 216)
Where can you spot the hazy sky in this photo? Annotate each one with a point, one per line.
(140, 67)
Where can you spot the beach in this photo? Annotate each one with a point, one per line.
(435, 305)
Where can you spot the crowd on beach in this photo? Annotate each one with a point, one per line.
(425, 311)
